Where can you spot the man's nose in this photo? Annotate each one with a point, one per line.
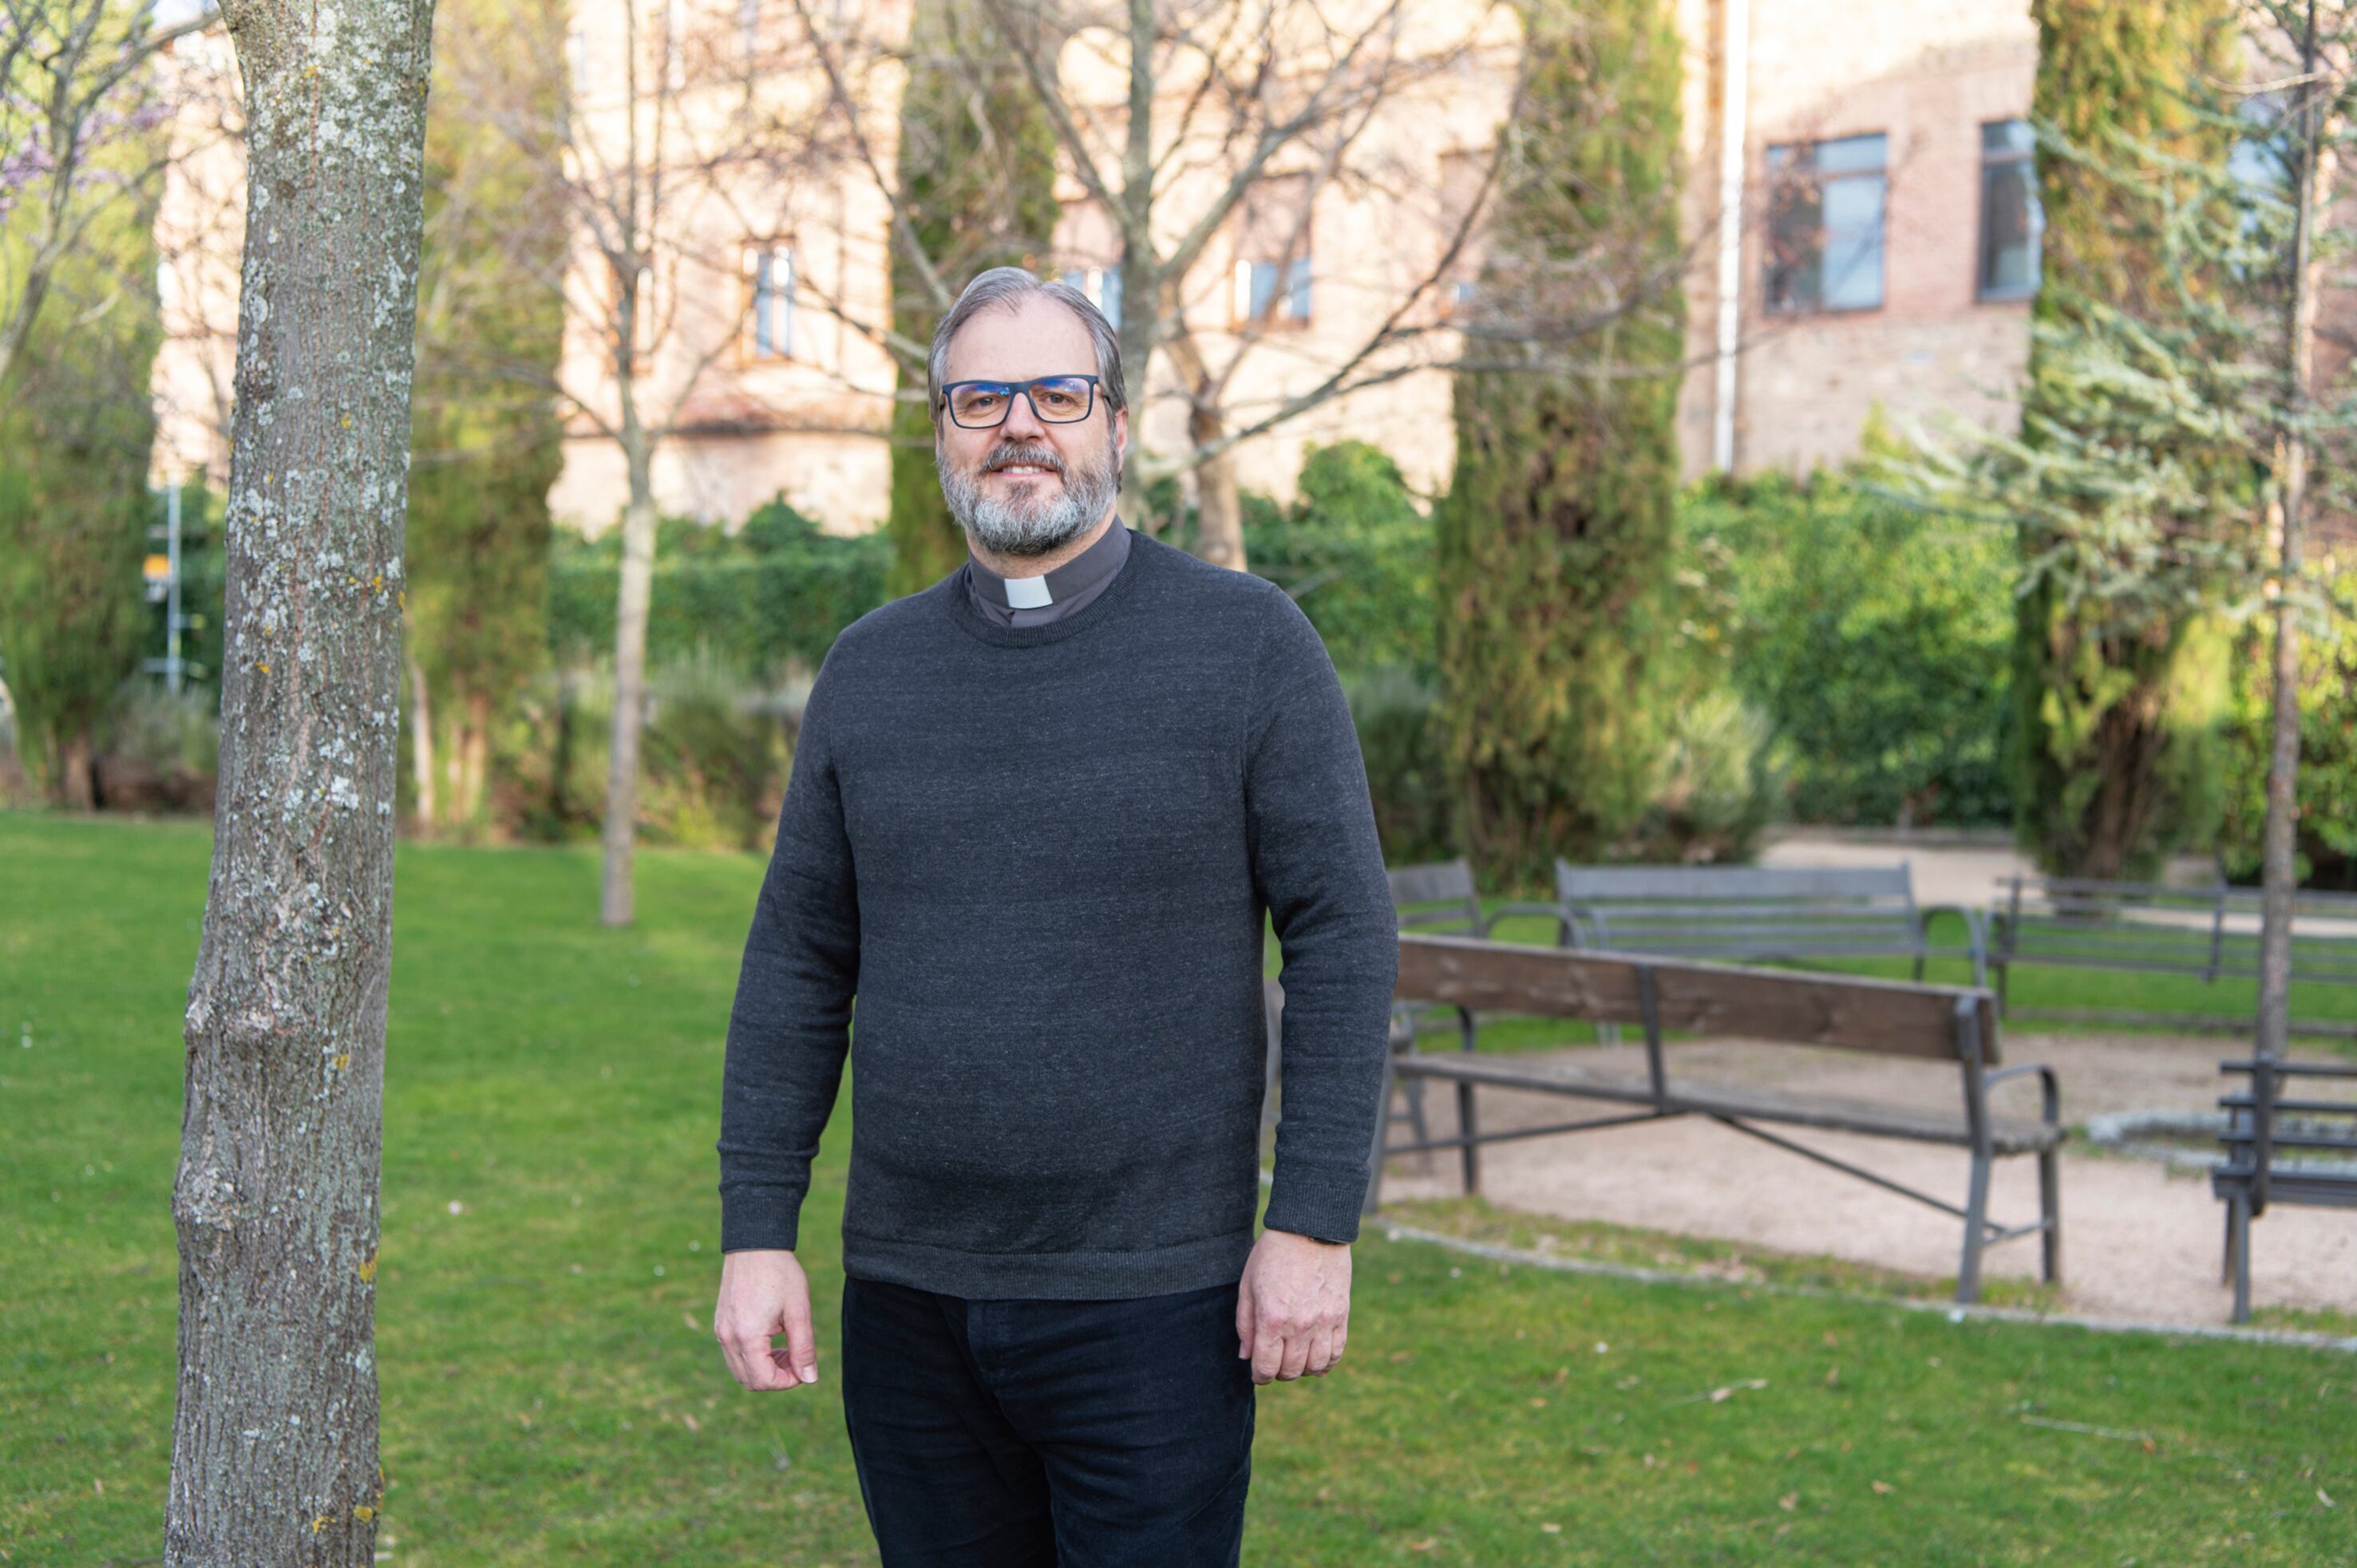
(1023, 422)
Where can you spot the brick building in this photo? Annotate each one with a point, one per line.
(1856, 172)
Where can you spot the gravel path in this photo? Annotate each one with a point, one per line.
(2139, 1240)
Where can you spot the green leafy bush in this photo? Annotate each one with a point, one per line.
(159, 751)
(1875, 637)
(1723, 779)
(713, 757)
(775, 592)
(1356, 555)
(2327, 841)
(1396, 712)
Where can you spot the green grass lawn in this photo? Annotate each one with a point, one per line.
(553, 1395)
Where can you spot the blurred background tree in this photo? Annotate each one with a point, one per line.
(486, 440)
(2101, 639)
(77, 423)
(977, 190)
(1554, 542)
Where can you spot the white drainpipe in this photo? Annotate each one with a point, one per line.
(1734, 135)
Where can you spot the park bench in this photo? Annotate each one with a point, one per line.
(2205, 933)
(1441, 896)
(1755, 913)
(2262, 1120)
(1948, 1024)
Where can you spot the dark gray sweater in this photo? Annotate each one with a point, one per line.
(1040, 856)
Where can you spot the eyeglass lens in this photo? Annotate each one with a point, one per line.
(1057, 400)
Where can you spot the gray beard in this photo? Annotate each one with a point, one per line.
(1026, 527)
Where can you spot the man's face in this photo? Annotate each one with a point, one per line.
(1025, 487)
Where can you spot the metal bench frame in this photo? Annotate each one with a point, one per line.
(1947, 1024)
(1436, 896)
(1757, 913)
(2254, 1173)
(2155, 928)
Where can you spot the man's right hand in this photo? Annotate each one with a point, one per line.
(764, 1293)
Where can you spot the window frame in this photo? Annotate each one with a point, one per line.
(1301, 266)
(750, 253)
(1459, 285)
(2024, 158)
(1787, 173)
(1097, 284)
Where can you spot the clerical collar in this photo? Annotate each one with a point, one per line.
(1032, 601)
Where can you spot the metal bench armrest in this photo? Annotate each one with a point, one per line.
(1975, 928)
(2051, 1090)
(1407, 1023)
(1555, 912)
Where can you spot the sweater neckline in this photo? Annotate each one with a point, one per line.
(961, 610)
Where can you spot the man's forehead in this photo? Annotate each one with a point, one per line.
(1035, 337)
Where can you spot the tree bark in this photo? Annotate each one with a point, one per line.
(1141, 280)
(2279, 869)
(78, 772)
(274, 1454)
(474, 757)
(629, 687)
(1219, 510)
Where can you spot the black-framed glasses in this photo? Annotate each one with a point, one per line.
(1056, 399)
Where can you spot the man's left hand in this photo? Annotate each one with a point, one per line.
(1293, 1307)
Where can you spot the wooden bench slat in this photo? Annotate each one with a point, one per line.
(1853, 1012)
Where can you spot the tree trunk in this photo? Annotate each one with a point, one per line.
(1218, 512)
(474, 754)
(274, 1434)
(2279, 866)
(77, 771)
(1141, 284)
(629, 687)
(421, 745)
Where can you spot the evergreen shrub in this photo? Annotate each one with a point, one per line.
(771, 594)
(1875, 638)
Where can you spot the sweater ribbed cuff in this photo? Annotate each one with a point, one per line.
(1320, 1201)
(763, 1218)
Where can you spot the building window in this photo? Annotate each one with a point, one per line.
(1256, 282)
(1825, 202)
(769, 301)
(1103, 286)
(1088, 249)
(1461, 178)
(1272, 253)
(2011, 221)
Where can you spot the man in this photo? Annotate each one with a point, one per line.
(1038, 815)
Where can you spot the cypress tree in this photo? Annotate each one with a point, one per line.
(977, 170)
(1554, 541)
(2101, 766)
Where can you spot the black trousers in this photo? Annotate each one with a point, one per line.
(1034, 1434)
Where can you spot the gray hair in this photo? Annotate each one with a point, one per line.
(1001, 287)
